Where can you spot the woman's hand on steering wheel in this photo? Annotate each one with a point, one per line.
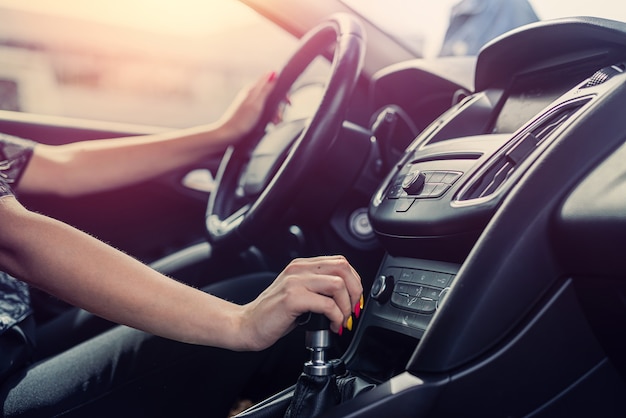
(258, 180)
(244, 113)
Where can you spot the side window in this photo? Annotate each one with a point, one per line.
(77, 66)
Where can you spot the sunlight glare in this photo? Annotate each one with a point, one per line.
(180, 17)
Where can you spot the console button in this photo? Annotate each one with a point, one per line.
(441, 279)
(428, 189)
(402, 205)
(422, 184)
(419, 291)
(405, 288)
(407, 274)
(409, 319)
(430, 293)
(437, 176)
(439, 189)
(395, 191)
(400, 300)
(423, 277)
(451, 177)
(426, 306)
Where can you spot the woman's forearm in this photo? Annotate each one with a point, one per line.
(87, 273)
(99, 165)
(93, 166)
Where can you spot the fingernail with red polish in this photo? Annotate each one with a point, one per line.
(358, 307)
(340, 331)
(272, 76)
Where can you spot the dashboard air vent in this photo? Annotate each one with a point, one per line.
(603, 75)
(502, 165)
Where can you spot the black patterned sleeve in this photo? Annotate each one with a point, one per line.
(15, 153)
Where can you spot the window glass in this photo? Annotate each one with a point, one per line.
(421, 25)
(153, 62)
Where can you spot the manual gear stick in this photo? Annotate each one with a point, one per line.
(323, 383)
(316, 389)
(317, 341)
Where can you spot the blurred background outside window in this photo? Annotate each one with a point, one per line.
(156, 62)
(180, 63)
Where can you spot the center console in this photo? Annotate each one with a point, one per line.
(402, 301)
(438, 198)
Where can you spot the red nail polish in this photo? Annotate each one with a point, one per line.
(340, 331)
(357, 309)
(272, 76)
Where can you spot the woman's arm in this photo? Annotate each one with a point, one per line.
(87, 273)
(92, 166)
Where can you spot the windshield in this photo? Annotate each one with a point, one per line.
(151, 62)
(422, 25)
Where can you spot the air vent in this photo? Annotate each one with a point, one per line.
(603, 75)
(502, 165)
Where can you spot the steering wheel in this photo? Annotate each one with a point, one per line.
(258, 179)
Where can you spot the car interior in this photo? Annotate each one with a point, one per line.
(480, 198)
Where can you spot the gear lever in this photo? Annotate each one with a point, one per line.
(323, 383)
(316, 390)
(317, 341)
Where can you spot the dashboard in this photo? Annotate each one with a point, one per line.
(445, 186)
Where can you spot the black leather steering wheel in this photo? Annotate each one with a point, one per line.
(258, 178)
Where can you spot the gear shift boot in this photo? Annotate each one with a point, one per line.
(313, 395)
(322, 384)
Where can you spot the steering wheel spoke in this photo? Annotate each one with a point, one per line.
(227, 225)
(268, 156)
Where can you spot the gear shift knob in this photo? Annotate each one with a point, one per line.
(317, 331)
(317, 340)
(314, 321)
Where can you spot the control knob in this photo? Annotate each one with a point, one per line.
(382, 288)
(413, 182)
